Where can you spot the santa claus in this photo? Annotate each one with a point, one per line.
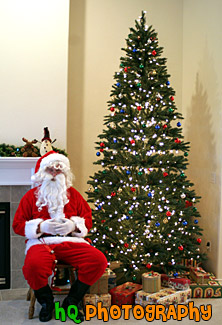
(55, 218)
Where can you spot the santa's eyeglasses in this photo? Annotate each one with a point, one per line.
(58, 166)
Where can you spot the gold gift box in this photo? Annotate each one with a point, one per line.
(151, 282)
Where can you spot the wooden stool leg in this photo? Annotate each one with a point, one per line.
(32, 304)
(28, 297)
(72, 277)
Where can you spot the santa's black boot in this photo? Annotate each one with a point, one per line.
(45, 298)
(75, 296)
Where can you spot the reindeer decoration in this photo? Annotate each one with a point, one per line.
(29, 150)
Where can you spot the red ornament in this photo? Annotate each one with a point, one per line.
(199, 240)
(103, 220)
(177, 140)
(112, 109)
(113, 194)
(168, 213)
(165, 174)
(153, 52)
(180, 247)
(149, 265)
(132, 141)
(164, 126)
(101, 150)
(102, 144)
(139, 108)
(188, 204)
(133, 189)
(126, 245)
(172, 98)
(106, 252)
(125, 69)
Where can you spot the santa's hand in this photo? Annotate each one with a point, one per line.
(49, 226)
(65, 227)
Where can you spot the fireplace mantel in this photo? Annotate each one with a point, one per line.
(17, 170)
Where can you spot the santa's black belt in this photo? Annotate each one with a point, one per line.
(45, 235)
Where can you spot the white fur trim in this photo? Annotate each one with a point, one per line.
(80, 224)
(53, 240)
(54, 157)
(31, 228)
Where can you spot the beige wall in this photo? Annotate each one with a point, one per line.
(33, 70)
(202, 84)
(98, 30)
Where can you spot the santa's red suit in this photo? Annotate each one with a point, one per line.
(43, 252)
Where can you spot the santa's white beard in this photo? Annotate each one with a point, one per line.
(53, 194)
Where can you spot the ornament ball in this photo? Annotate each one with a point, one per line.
(180, 247)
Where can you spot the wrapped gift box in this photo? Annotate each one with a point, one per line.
(213, 289)
(93, 299)
(114, 265)
(189, 262)
(151, 282)
(176, 283)
(141, 298)
(100, 286)
(164, 297)
(111, 279)
(199, 275)
(124, 293)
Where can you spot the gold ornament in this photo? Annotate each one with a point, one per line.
(112, 125)
(165, 220)
(133, 247)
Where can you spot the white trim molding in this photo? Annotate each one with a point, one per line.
(17, 170)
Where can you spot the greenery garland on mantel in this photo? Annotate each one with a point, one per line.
(7, 150)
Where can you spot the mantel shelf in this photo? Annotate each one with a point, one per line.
(17, 170)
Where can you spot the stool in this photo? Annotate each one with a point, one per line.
(55, 290)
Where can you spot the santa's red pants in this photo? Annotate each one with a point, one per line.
(39, 262)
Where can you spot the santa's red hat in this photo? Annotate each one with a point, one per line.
(49, 158)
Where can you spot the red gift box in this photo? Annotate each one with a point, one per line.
(124, 294)
(176, 283)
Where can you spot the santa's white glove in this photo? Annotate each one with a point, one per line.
(49, 226)
(65, 227)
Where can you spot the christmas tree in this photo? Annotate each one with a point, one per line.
(144, 206)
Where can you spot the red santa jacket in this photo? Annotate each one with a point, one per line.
(27, 218)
